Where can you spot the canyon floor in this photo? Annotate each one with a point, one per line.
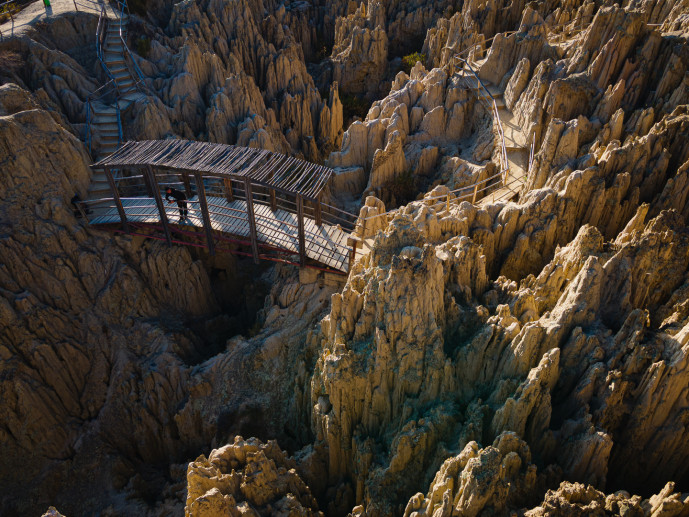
(497, 351)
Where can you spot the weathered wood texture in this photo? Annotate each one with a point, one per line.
(262, 167)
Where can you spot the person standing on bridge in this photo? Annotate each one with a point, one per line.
(181, 199)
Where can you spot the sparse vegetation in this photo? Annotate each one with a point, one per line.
(323, 50)
(409, 61)
(6, 11)
(402, 188)
(354, 106)
(143, 46)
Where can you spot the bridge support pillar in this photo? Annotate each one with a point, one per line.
(204, 212)
(300, 222)
(155, 192)
(116, 198)
(251, 218)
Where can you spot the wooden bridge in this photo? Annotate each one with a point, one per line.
(246, 201)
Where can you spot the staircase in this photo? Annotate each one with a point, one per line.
(105, 106)
(514, 149)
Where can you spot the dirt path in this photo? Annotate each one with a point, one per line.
(37, 12)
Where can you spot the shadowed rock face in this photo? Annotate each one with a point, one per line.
(528, 356)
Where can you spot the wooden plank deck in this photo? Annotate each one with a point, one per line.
(326, 244)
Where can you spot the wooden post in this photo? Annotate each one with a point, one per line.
(116, 198)
(473, 198)
(251, 217)
(273, 200)
(147, 181)
(352, 241)
(187, 185)
(317, 209)
(148, 173)
(300, 222)
(229, 195)
(204, 212)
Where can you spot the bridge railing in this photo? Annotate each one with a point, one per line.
(212, 206)
(471, 194)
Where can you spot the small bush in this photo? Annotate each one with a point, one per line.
(323, 50)
(409, 61)
(6, 11)
(354, 106)
(402, 188)
(142, 46)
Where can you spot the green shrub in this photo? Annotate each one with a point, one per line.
(402, 188)
(323, 50)
(409, 61)
(354, 106)
(142, 46)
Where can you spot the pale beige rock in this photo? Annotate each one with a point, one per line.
(247, 477)
(517, 83)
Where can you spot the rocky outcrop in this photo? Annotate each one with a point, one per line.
(501, 479)
(529, 42)
(423, 118)
(247, 477)
(360, 52)
(480, 480)
(477, 355)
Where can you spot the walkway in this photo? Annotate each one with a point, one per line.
(325, 244)
(35, 12)
(105, 106)
(267, 202)
(514, 154)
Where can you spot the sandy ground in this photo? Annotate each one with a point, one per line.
(36, 11)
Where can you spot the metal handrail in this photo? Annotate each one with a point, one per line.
(120, 136)
(504, 164)
(127, 53)
(531, 153)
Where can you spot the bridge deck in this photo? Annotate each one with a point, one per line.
(326, 244)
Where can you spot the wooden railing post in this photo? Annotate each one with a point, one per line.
(352, 241)
(273, 200)
(252, 219)
(116, 198)
(147, 181)
(153, 185)
(473, 198)
(229, 195)
(204, 212)
(300, 222)
(187, 185)
(317, 210)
